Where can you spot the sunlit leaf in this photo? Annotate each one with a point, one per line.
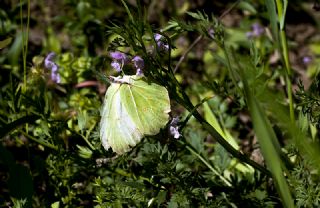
(269, 144)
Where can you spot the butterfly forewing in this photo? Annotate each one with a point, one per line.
(148, 105)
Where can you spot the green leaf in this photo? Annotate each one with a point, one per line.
(247, 6)
(127, 10)
(132, 109)
(55, 204)
(269, 144)
(82, 120)
(5, 129)
(282, 20)
(5, 43)
(15, 49)
(84, 152)
(273, 17)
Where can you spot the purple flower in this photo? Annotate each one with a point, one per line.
(175, 121)
(174, 129)
(307, 60)
(116, 66)
(138, 64)
(119, 60)
(157, 37)
(256, 31)
(118, 56)
(49, 64)
(160, 43)
(211, 33)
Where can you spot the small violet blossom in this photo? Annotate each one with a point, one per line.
(119, 60)
(256, 31)
(306, 60)
(116, 66)
(174, 129)
(49, 64)
(160, 43)
(138, 64)
(211, 33)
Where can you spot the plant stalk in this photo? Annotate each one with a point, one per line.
(209, 166)
(25, 38)
(235, 153)
(285, 56)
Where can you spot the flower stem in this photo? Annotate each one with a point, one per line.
(215, 134)
(285, 55)
(208, 165)
(25, 38)
(39, 141)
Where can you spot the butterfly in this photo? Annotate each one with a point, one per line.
(132, 109)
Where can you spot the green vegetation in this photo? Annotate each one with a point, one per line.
(243, 83)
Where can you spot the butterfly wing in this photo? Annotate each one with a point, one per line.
(147, 104)
(117, 130)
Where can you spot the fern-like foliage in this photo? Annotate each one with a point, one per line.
(309, 100)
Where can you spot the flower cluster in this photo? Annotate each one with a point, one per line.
(49, 64)
(138, 64)
(174, 128)
(256, 31)
(160, 42)
(120, 59)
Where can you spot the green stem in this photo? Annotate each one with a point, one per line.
(199, 38)
(89, 132)
(231, 72)
(290, 97)
(7, 128)
(225, 144)
(209, 166)
(183, 99)
(279, 8)
(87, 141)
(235, 153)
(24, 121)
(25, 38)
(85, 138)
(285, 56)
(21, 27)
(285, 52)
(38, 141)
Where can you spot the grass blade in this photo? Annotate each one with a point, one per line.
(272, 12)
(269, 146)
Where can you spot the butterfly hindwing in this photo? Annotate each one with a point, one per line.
(117, 130)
